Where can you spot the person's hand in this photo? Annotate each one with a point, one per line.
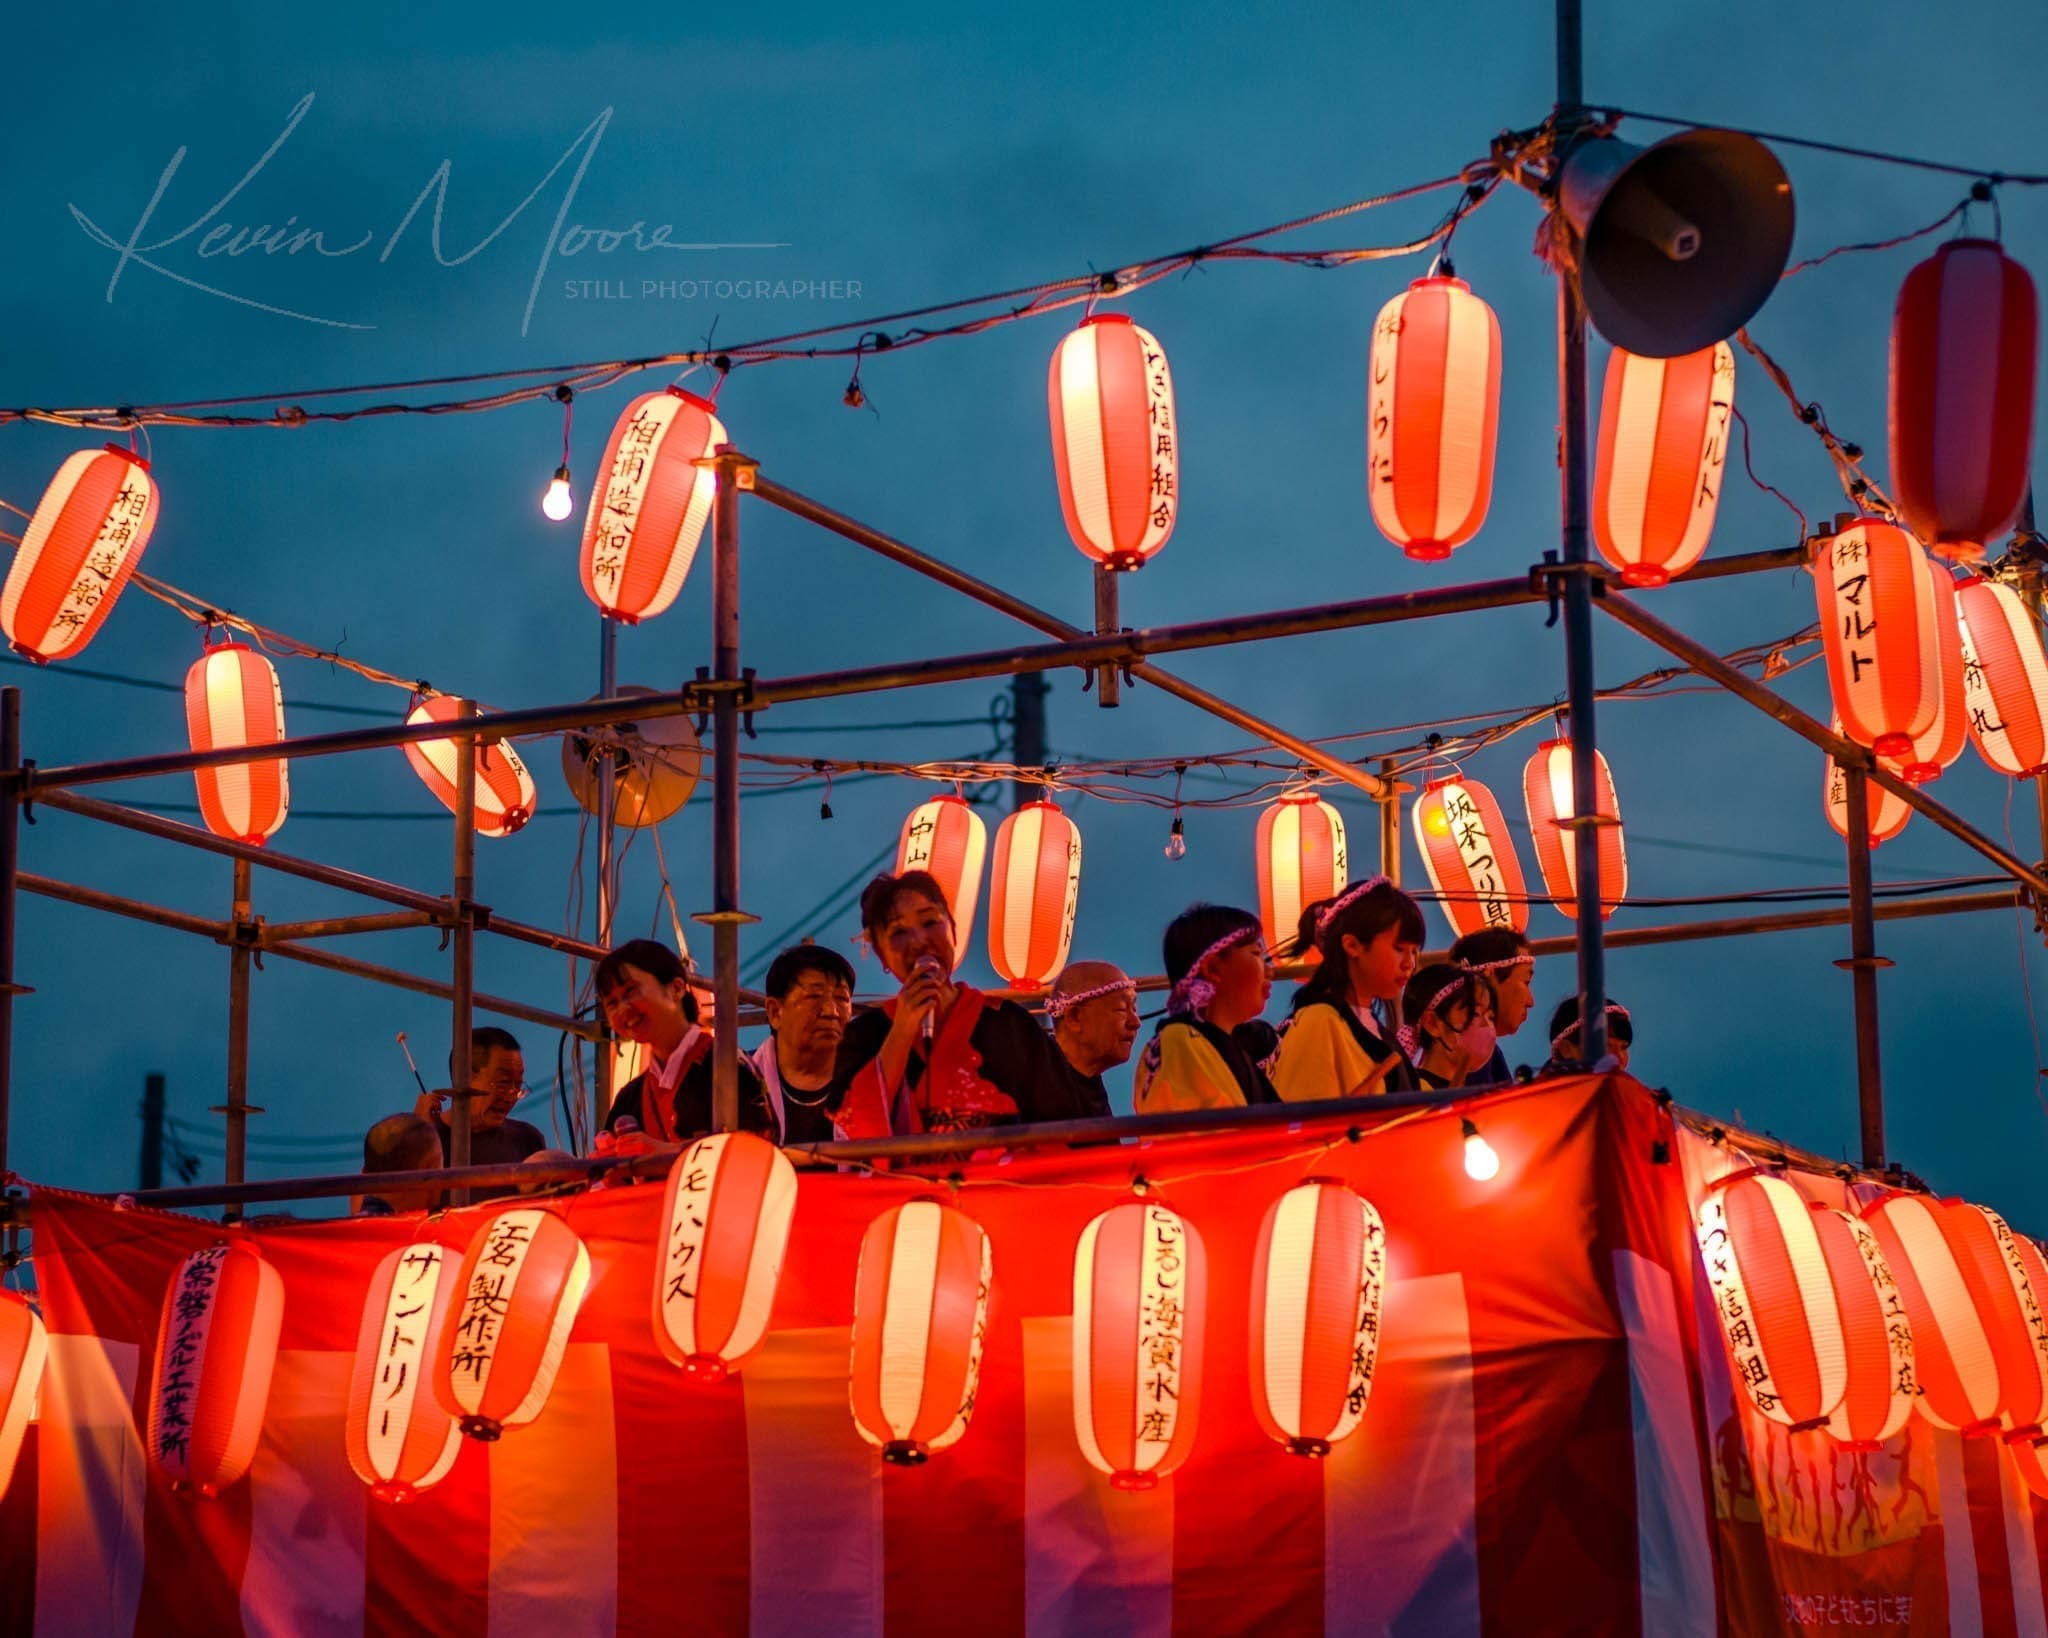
(920, 998)
(429, 1104)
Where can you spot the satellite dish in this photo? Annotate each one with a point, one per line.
(656, 763)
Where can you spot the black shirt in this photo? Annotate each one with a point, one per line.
(505, 1144)
(1017, 1058)
(1090, 1096)
(693, 1103)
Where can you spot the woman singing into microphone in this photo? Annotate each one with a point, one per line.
(941, 1056)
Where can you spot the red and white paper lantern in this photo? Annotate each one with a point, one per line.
(946, 838)
(1034, 888)
(80, 547)
(400, 1441)
(1465, 846)
(1947, 1301)
(233, 697)
(652, 501)
(1880, 628)
(725, 1226)
(1887, 814)
(920, 1319)
(1548, 792)
(1140, 1289)
(2005, 678)
(1318, 1280)
(2017, 1329)
(1657, 473)
(24, 1350)
(505, 795)
(2028, 1260)
(520, 1287)
(1877, 1333)
(1302, 861)
(216, 1345)
(1942, 741)
(1115, 442)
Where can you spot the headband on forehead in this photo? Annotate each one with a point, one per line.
(1409, 1035)
(1194, 992)
(1058, 1006)
(1497, 966)
(1614, 1009)
(1344, 901)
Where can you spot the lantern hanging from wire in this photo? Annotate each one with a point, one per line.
(1926, 1247)
(946, 838)
(24, 1350)
(1115, 441)
(505, 794)
(1318, 1280)
(216, 1345)
(2000, 1276)
(399, 1439)
(1942, 741)
(725, 1220)
(650, 504)
(521, 1285)
(81, 546)
(1962, 395)
(1548, 792)
(1140, 1295)
(1034, 887)
(1877, 1334)
(233, 698)
(920, 1316)
(1302, 860)
(1465, 846)
(2005, 678)
(1657, 474)
(1886, 813)
(1879, 627)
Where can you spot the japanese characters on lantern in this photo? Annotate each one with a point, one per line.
(505, 794)
(1140, 1289)
(1877, 1335)
(233, 697)
(24, 1350)
(2014, 1324)
(725, 1219)
(2029, 1272)
(83, 542)
(1302, 861)
(920, 1322)
(1657, 473)
(1115, 441)
(1547, 791)
(650, 504)
(1930, 1257)
(216, 1345)
(517, 1294)
(1886, 813)
(1318, 1280)
(1034, 889)
(1879, 627)
(946, 838)
(2005, 678)
(1465, 846)
(400, 1440)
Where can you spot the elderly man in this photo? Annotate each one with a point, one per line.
(1505, 957)
(810, 1002)
(497, 1079)
(1093, 1011)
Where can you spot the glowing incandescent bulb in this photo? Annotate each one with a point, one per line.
(1482, 1164)
(558, 502)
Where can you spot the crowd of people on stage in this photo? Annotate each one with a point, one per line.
(940, 1055)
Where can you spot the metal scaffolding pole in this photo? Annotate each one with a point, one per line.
(461, 901)
(1862, 965)
(607, 885)
(242, 927)
(10, 865)
(1390, 822)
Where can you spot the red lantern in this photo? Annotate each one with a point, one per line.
(519, 1290)
(1302, 860)
(2032, 1462)
(1318, 1279)
(651, 503)
(215, 1347)
(1877, 1335)
(1962, 395)
(86, 537)
(24, 1350)
(1115, 442)
(1033, 890)
(920, 1314)
(1879, 626)
(1547, 790)
(233, 697)
(400, 1441)
(2005, 678)
(1432, 416)
(2000, 1278)
(725, 1227)
(1140, 1285)
(505, 795)
(1657, 476)
(1775, 1298)
(1942, 741)
(946, 838)
(1470, 857)
(1930, 1256)
(2031, 1288)
(1887, 813)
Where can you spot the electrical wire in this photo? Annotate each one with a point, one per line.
(2021, 179)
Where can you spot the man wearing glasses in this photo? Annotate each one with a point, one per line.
(497, 1077)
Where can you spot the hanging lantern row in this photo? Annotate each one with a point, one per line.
(1463, 838)
(1034, 887)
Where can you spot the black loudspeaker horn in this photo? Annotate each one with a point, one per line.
(1679, 243)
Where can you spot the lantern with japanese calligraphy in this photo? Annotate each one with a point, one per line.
(1879, 627)
(1877, 1336)
(505, 795)
(80, 547)
(2005, 678)
(1929, 1253)
(1318, 1278)
(920, 1318)
(1115, 442)
(725, 1225)
(1033, 890)
(1465, 846)
(1887, 813)
(232, 697)
(946, 838)
(1302, 861)
(215, 1347)
(24, 1349)
(2003, 1283)
(400, 1441)
(1775, 1298)
(1942, 741)
(652, 500)
(1547, 790)
(1657, 476)
(1140, 1289)
(517, 1295)
(1962, 395)
(1432, 414)
(2031, 1288)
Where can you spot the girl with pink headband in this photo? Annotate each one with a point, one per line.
(1449, 1036)
(1216, 957)
(1336, 1045)
(1565, 1046)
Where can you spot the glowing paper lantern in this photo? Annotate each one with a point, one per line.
(1318, 1278)
(1877, 1335)
(946, 838)
(233, 697)
(2000, 1277)
(1302, 860)
(215, 1347)
(1033, 890)
(1879, 626)
(80, 547)
(1470, 857)
(1115, 442)
(1547, 790)
(520, 1287)
(1943, 739)
(1140, 1285)
(2027, 1260)
(505, 795)
(1433, 408)
(1962, 395)
(2005, 678)
(1657, 476)
(400, 1441)
(651, 502)
(920, 1314)
(2032, 1462)
(24, 1349)
(725, 1224)
(1925, 1246)
(1775, 1298)
(1887, 813)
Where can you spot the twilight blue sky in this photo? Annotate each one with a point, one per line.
(925, 152)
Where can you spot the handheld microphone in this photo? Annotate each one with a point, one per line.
(926, 964)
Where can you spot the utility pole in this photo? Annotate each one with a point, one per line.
(1027, 731)
(152, 1130)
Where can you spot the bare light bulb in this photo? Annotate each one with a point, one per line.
(558, 503)
(1177, 841)
(1482, 1165)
